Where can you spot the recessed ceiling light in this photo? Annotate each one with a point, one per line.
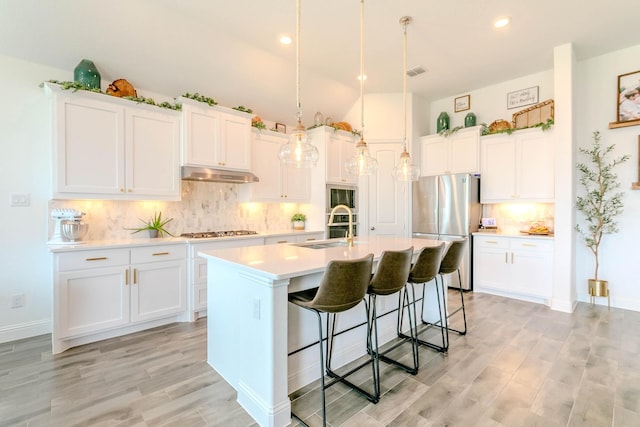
(285, 40)
(363, 77)
(502, 22)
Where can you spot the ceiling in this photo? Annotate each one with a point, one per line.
(229, 50)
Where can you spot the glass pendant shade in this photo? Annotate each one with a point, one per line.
(298, 152)
(362, 163)
(405, 170)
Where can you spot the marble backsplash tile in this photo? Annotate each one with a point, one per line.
(205, 206)
(513, 217)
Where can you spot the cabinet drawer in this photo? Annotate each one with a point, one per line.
(538, 245)
(91, 259)
(491, 242)
(158, 253)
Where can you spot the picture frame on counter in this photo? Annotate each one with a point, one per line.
(523, 97)
(628, 97)
(280, 127)
(462, 103)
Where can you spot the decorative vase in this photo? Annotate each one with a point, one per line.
(87, 74)
(298, 225)
(153, 233)
(443, 122)
(469, 120)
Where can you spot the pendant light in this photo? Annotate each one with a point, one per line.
(298, 152)
(362, 163)
(405, 170)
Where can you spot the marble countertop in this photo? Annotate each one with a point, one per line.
(144, 241)
(291, 260)
(513, 234)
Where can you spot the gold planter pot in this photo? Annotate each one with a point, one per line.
(599, 288)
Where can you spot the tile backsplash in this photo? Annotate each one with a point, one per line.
(205, 206)
(513, 217)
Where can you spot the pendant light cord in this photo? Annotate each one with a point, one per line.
(362, 69)
(299, 106)
(404, 79)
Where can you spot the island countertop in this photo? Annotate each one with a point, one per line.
(280, 261)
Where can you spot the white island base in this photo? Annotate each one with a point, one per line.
(251, 327)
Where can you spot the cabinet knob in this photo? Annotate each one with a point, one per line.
(122, 190)
(372, 228)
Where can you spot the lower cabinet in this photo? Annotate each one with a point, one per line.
(520, 267)
(110, 292)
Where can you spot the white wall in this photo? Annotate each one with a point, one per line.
(596, 108)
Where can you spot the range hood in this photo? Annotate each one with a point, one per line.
(198, 173)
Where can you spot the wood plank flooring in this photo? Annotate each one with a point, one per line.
(521, 364)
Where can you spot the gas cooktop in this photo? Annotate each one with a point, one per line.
(210, 234)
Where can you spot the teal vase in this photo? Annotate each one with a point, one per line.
(87, 74)
(469, 120)
(443, 122)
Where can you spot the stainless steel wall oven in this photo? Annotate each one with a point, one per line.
(342, 195)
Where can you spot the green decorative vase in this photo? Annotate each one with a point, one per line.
(443, 122)
(87, 74)
(469, 120)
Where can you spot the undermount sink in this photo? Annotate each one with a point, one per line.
(324, 244)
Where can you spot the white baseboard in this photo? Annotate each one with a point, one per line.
(25, 330)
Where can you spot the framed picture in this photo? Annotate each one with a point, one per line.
(628, 97)
(462, 103)
(522, 97)
(281, 128)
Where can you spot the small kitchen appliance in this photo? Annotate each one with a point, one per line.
(60, 216)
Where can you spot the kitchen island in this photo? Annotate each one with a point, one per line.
(254, 337)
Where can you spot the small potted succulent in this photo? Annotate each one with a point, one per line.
(298, 220)
(155, 226)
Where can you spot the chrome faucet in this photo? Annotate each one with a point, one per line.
(349, 237)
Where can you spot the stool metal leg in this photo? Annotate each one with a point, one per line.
(464, 314)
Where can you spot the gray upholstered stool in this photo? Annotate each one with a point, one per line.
(451, 264)
(423, 271)
(343, 286)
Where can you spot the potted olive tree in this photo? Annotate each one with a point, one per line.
(600, 203)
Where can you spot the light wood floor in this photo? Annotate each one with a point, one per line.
(521, 364)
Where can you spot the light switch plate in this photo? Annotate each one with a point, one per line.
(20, 199)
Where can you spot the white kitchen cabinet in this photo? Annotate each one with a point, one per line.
(517, 167)
(110, 148)
(335, 147)
(277, 183)
(457, 153)
(214, 136)
(104, 293)
(521, 267)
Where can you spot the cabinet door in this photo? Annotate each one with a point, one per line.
(90, 147)
(339, 149)
(235, 142)
(266, 166)
(91, 300)
(153, 154)
(491, 263)
(435, 155)
(535, 172)
(296, 184)
(531, 262)
(159, 289)
(498, 169)
(201, 135)
(464, 152)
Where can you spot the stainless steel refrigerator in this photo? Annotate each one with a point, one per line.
(447, 207)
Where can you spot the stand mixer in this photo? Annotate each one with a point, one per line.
(59, 215)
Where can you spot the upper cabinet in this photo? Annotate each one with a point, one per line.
(457, 153)
(215, 136)
(517, 167)
(339, 147)
(277, 183)
(110, 148)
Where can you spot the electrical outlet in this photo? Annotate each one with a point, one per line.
(19, 199)
(17, 300)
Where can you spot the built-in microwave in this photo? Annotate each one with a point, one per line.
(342, 195)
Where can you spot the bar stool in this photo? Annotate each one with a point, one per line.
(343, 286)
(389, 278)
(423, 271)
(450, 264)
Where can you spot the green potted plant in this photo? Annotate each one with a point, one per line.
(600, 203)
(155, 226)
(298, 220)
